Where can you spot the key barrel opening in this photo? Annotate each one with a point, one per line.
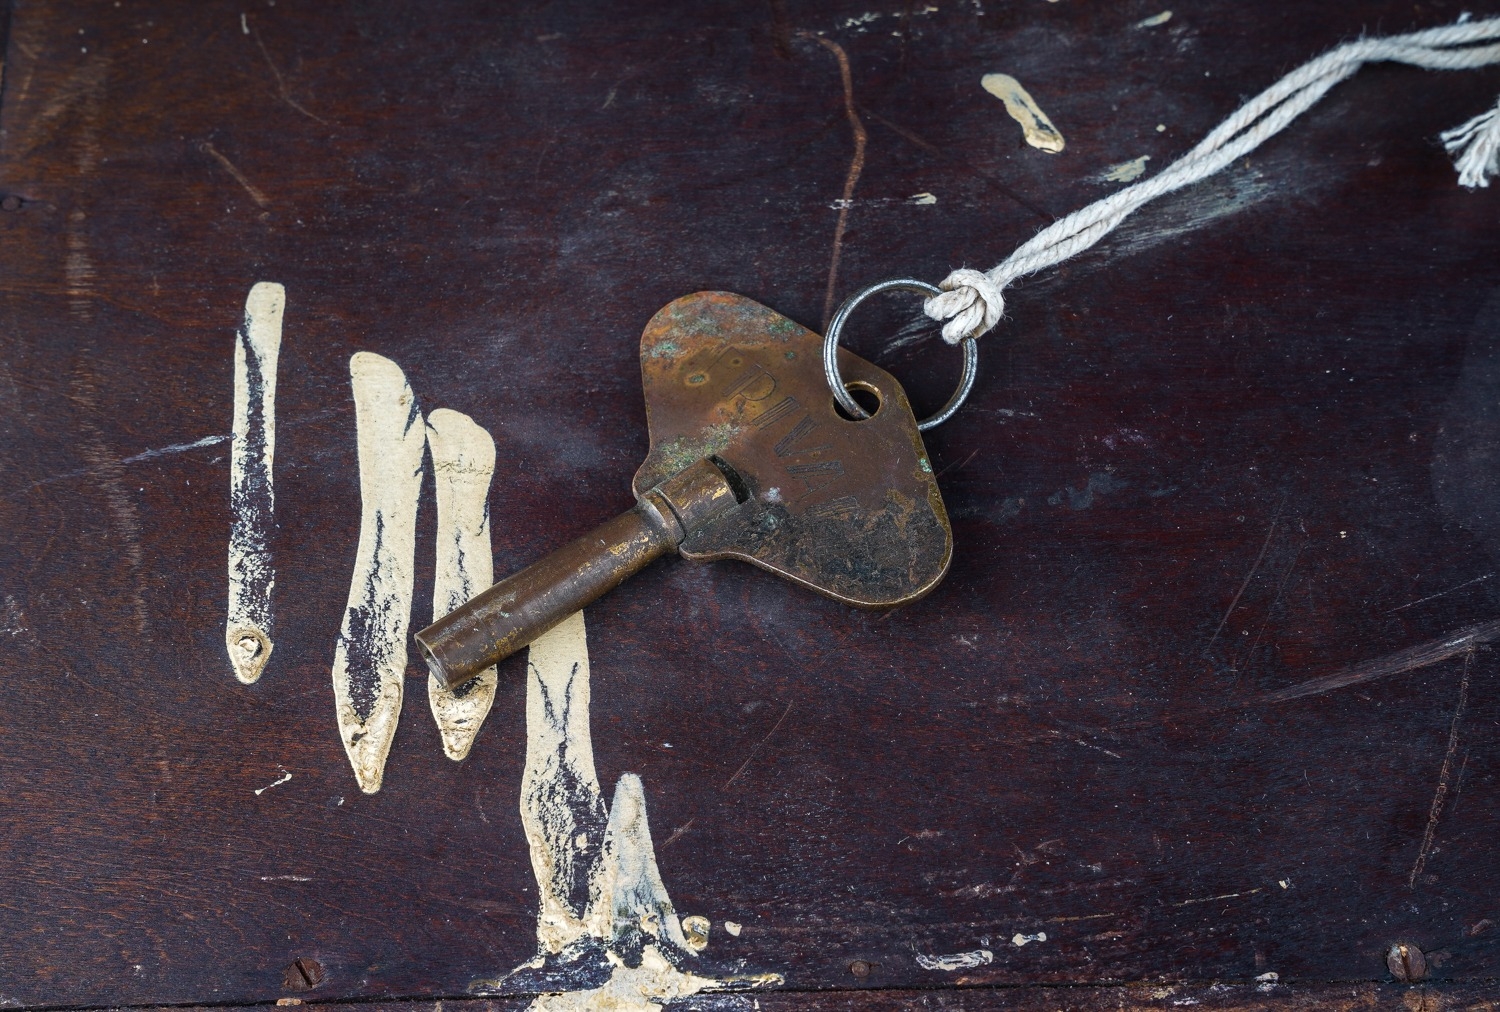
(518, 609)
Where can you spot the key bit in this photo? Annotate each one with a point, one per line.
(750, 459)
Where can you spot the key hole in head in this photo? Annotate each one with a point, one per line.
(866, 395)
(731, 478)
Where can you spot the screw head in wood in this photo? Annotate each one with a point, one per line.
(1406, 962)
(303, 974)
(859, 968)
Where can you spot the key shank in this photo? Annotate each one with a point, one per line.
(518, 609)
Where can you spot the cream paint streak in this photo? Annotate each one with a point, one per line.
(597, 877)
(369, 662)
(956, 961)
(1038, 129)
(463, 462)
(562, 807)
(252, 499)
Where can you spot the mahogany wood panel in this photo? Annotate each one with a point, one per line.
(1246, 443)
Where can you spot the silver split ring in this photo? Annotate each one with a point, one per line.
(831, 352)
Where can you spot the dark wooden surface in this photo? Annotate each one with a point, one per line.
(1246, 443)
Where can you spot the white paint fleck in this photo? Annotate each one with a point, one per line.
(956, 961)
(695, 929)
(1125, 172)
(285, 776)
(463, 462)
(1018, 939)
(286, 878)
(1161, 128)
(252, 497)
(369, 663)
(922, 198)
(244, 25)
(1154, 20)
(1285, 883)
(733, 928)
(1037, 128)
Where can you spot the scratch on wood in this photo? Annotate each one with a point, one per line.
(678, 832)
(781, 38)
(943, 155)
(1248, 577)
(106, 465)
(856, 166)
(754, 751)
(1420, 656)
(281, 89)
(1082, 917)
(1083, 744)
(239, 177)
(1280, 589)
(1221, 896)
(1442, 593)
(1441, 794)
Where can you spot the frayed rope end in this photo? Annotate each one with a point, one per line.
(1477, 147)
(971, 302)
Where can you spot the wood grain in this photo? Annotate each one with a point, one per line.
(1246, 443)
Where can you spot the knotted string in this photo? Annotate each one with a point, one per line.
(973, 301)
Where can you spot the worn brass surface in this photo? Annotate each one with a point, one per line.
(749, 459)
(848, 508)
(518, 609)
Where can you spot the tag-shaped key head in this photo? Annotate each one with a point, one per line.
(848, 508)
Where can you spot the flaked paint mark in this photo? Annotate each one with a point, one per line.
(286, 878)
(1037, 128)
(463, 463)
(605, 918)
(956, 960)
(1125, 172)
(1154, 20)
(922, 198)
(252, 499)
(369, 662)
(1019, 940)
(733, 928)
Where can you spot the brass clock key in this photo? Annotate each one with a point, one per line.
(750, 459)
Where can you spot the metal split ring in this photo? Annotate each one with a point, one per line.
(831, 352)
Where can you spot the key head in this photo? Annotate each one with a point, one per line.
(848, 508)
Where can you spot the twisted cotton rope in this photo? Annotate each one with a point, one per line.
(972, 301)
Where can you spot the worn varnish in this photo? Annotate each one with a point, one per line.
(1244, 445)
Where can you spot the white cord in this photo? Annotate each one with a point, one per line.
(973, 301)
